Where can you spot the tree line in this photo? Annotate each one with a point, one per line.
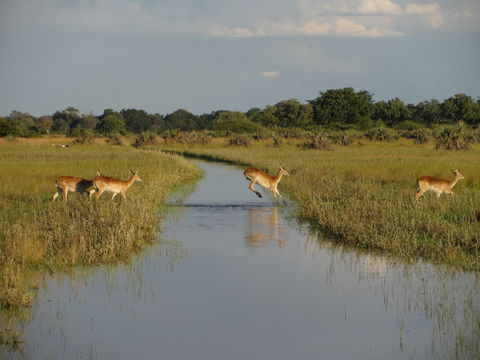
(336, 108)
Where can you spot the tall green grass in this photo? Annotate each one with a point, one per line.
(38, 234)
(363, 195)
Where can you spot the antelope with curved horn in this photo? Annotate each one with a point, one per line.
(255, 175)
(115, 186)
(437, 185)
(66, 184)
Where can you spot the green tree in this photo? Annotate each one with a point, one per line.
(19, 124)
(342, 106)
(461, 108)
(391, 112)
(252, 113)
(235, 122)
(158, 123)
(87, 121)
(267, 117)
(65, 120)
(181, 119)
(205, 121)
(43, 124)
(137, 121)
(429, 112)
(111, 122)
(291, 113)
(6, 129)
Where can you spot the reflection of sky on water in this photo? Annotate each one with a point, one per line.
(236, 280)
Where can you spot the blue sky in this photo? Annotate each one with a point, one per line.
(206, 55)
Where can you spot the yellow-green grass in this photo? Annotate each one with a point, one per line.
(37, 233)
(364, 195)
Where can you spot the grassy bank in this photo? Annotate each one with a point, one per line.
(363, 195)
(37, 234)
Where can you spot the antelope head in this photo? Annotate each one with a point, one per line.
(283, 171)
(457, 174)
(135, 175)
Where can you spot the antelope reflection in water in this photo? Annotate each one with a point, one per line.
(262, 226)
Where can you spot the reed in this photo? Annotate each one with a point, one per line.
(39, 234)
(363, 195)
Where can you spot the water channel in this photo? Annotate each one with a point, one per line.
(235, 277)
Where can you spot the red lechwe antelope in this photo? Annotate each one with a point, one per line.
(255, 175)
(67, 184)
(437, 185)
(115, 186)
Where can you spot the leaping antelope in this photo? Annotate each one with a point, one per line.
(437, 185)
(66, 184)
(255, 175)
(115, 186)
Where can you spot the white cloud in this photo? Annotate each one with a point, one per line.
(385, 7)
(430, 12)
(465, 14)
(348, 18)
(339, 26)
(225, 31)
(348, 27)
(269, 74)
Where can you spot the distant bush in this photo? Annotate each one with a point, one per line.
(472, 136)
(239, 140)
(169, 135)
(236, 122)
(345, 138)
(83, 136)
(277, 142)
(381, 134)
(259, 135)
(451, 139)
(366, 123)
(145, 138)
(419, 136)
(113, 139)
(318, 142)
(408, 125)
(193, 137)
(337, 126)
(293, 133)
(11, 138)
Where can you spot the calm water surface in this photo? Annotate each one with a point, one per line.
(234, 278)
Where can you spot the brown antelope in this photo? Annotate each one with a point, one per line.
(437, 185)
(255, 175)
(67, 184)
(115, 186)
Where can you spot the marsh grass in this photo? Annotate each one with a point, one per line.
(364, 196)
(38, 234)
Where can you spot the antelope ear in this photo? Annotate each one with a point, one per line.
(98, 173)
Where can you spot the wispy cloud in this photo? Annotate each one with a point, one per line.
(465, 14)
(347, 18)
(430, 12)
(339, 26)
(384, 7)
(378, 11)
(270, 74)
